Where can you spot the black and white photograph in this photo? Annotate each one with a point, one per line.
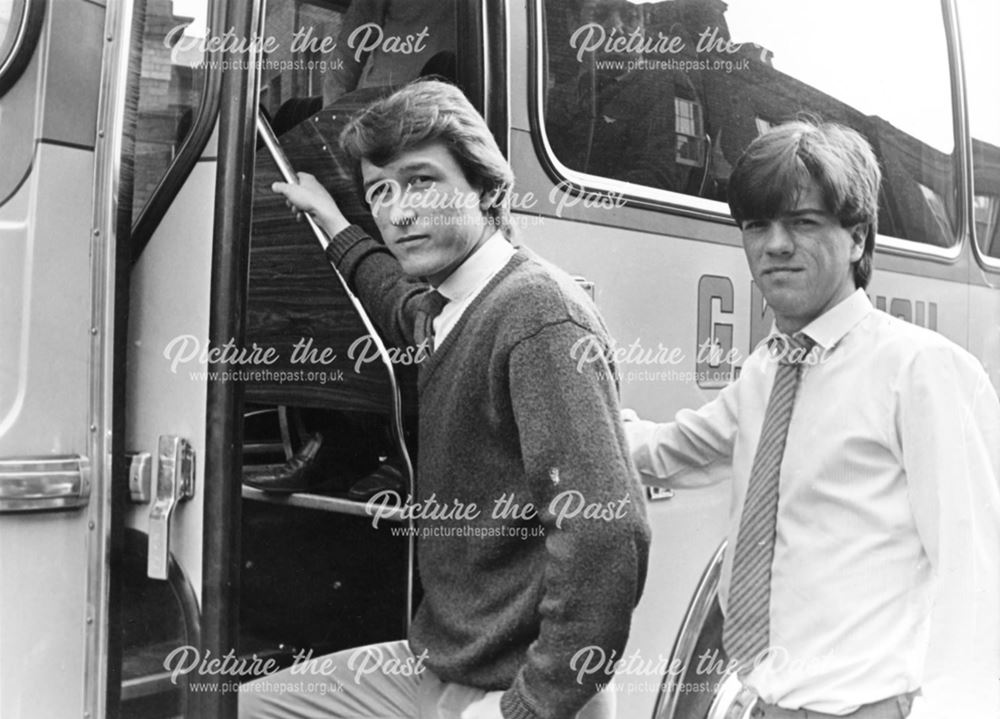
(499, 359)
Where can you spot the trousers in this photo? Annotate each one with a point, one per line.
(380, 681)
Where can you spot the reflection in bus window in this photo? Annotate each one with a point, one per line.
(6, 9)
(978, 25)
(173, 72)
(323, 53)
(667, 93)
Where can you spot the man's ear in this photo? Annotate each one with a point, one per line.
(859, 233)
(489, 198)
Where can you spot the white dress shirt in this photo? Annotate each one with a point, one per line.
(886, 573)
(468, 280)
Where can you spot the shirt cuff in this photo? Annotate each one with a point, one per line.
(343, 241)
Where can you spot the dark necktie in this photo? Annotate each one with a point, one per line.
(429, 306)
(746, 633)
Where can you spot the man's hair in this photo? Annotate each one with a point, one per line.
(427, 111)
(770, 174)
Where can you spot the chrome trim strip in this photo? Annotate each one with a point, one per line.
(40, 484)
(321, 502)
(918, 250)
(963, 135)
(687, 637)
(148, 685)
(960, 120)
(117, 40)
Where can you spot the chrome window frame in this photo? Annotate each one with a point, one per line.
(963, 135)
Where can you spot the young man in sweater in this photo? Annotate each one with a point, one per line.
(548, 557)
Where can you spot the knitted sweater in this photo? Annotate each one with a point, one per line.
(534, 542)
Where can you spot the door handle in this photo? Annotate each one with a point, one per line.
(174, 484)
(41, 484)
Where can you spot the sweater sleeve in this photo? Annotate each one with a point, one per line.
(386, 292)
(588, 499)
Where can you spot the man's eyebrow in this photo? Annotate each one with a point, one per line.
(805, 211)
(415, 166)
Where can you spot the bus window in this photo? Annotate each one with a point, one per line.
(8, 29)
(172, 74)
(982, 57)
(322, 54)
(20, 23)
(667, 94)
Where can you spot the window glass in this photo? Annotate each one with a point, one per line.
(6, 10)
(172, 74)
(14, 28)
(978, 21)
(668, 93)
(322, 51)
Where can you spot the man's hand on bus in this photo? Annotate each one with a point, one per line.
(309, 196)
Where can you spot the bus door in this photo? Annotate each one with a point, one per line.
(167, 185)
(318, 572)
(219, 591)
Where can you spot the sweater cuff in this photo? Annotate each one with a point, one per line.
(513, 706)
(343, 241)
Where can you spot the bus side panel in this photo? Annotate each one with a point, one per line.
(44, 379)
(984, 324)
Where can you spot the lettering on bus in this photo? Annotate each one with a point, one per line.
(718, 362)
(918, 312)
(715, 357)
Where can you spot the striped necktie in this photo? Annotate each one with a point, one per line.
(746, 633)
(429, 306)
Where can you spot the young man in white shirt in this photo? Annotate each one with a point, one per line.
(861, 576)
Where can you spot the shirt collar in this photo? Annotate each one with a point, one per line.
(477, 268)
(830, 327)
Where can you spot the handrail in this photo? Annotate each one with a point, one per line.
(290, 176)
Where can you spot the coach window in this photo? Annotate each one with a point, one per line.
(20, 24)
(666, 94)
(6, 41)
(172, 74)
(8, 28)
(982, 56)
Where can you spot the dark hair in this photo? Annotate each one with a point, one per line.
(771, 172)
(425, 111)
